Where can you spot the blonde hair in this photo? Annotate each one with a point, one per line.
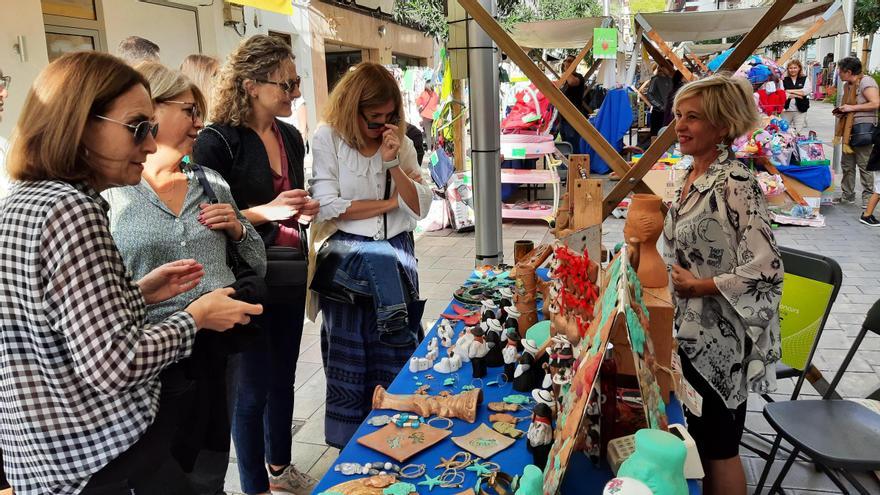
(167, 83)
(369, 85)
(727, 102)
(202, 70)
(797, 62)
(255, 58)
(47, 139)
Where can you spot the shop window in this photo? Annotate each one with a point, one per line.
(72, 25)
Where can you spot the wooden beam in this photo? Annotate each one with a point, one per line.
(699, 62)
(566, 108)
(669, 54)
(593, 68)
(458, 128)
(577, 60)
(800, 42)
(656, 55)
(743, 50)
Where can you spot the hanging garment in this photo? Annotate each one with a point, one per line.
(613, 121)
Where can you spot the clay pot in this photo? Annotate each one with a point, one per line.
(644, 223)
(521, 249)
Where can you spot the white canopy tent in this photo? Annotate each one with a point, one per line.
(703, 26)
(565, 33)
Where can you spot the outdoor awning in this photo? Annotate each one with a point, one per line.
(711, 25)
(701, 50)
(565, 33)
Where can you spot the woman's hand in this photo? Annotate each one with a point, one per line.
(390, 143)
(687, 285)
(221, 216)
(308, 211)
(846, 108)
(170, 280)
(218, 311)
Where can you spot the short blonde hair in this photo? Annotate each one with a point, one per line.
(202, 71)
(47, 139)
(255, 58)
(166, 84)
(727, 102)
(369, 85)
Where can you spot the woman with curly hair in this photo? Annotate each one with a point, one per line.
(261, 158)
(726, 272)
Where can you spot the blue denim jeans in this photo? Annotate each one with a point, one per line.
(263, 396)
(371, 268)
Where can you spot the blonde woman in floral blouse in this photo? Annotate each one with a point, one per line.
(726, 273)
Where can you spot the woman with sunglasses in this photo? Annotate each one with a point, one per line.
(79, 360)
(167, 216)
(367, 178)
(261, 158)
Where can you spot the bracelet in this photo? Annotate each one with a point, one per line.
(391, 164)
(500, 482)
(407, 471)
(244, 233)
(454, 463)
(451, 478)
(441, 418)
(407, 420)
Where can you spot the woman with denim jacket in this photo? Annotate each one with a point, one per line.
(261, 158)
(368, 182)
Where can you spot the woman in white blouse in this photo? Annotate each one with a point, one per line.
(367, 179)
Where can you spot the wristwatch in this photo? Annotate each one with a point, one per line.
(393, 163)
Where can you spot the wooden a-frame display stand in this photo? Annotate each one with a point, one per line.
(631, 177)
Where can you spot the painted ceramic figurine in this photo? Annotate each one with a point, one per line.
(489, 309)
(477, 350)
(540, 434)
(446, 333)
(511, 352)
(493, 330)
(463, 343)
(526, 375)
(512, 320)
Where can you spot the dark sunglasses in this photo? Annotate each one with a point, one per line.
(5, 81)
(392, 119)
(287, 86)
(140, 130)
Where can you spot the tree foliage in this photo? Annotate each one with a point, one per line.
(867, 17)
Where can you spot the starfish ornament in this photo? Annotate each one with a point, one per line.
(430, 482)
(480, 469)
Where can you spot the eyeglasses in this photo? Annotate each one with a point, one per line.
(5, 81)
(287, 86)
(392, 119)
(192, 110)
(140, 130)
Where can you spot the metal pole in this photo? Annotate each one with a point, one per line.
(483, 59)
(844, 47)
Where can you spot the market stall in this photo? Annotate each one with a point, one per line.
(516, 389)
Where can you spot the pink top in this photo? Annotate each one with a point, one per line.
(288, 230)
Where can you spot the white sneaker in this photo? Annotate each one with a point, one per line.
(292, 481)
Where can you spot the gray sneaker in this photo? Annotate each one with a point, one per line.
(292, 481)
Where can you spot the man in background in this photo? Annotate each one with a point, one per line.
(135, 50)
(574, 91)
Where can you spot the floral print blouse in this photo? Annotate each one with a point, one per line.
(722, 230)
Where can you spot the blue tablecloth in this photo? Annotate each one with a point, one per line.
(582, 477)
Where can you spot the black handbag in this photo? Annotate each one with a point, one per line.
(861, 135)
(327, 261)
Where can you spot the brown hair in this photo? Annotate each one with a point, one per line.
(369, 85)
(168, 83)
(255, 58)
(47, 139)
(202, 71)
(727, 102)
(797, 62)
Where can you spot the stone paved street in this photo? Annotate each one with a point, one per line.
(446, 258)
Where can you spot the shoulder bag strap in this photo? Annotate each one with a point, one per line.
(236, 262)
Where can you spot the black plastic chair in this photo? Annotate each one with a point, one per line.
(821, 269)
(839, 436)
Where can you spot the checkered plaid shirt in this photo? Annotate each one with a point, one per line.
(79, 365)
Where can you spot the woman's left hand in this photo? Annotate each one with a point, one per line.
(221, 216)
(846, 108)
(308, 211)
(683, 282)
(170, 280)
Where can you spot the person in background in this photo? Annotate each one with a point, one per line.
(135, 50)
(82, 366)
(863, 108)
(167, 216)
(5, 81)
(202, 71)
(726, 272)
(659, 93)
(574, 91)
(368, 182)
(427, 103)
(261, 158)
(795, 84)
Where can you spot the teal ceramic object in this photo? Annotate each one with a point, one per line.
(657, 462)
(539, 332)
(531, 482)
